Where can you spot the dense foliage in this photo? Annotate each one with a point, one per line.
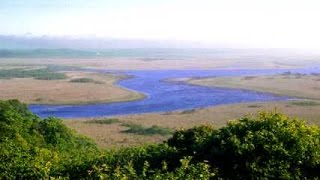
(35, 148)
(269, 146)
(153, 130)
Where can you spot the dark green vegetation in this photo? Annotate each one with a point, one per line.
(306, 103)
(43, 74)
(35, 148)
(188, 111)
(135, 128)
(270, 146)
(249, 77)
(254, 106)
(82, 80)
(103, 121)
(153, 130)
(85, 80)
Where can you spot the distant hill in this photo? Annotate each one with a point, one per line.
(143, 53)
(29, 46)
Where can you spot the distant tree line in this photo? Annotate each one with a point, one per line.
(43, 74)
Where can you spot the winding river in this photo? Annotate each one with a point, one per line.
(165, 96)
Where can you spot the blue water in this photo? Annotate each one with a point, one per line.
(167, 96)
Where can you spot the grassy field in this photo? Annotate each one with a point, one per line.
(199, 62)
(287, 84)
(113, 134)
(76, 88)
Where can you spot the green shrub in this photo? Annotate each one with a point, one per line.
(254, 106)
(306, 103)
(153, 130)
(153, 154)
(192, 140)
(82, 80)
(103, 121)
(31, 148)
(16, 120)
(185, 171)
(54, 131)
(188, 111)
(271, 146)
(85, 80)
(249, 77)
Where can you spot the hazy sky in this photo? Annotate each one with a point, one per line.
(252, 23)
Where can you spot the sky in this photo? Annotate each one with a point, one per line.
(233, 23)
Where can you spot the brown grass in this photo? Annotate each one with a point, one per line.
(112, 136)
(303, 86)
(201, 63)
(33, 91)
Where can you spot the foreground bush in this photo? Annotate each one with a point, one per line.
(31, 148)
(270, 146)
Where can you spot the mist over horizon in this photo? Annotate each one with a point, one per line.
(80, 42)
(33, 42)
(157, 24)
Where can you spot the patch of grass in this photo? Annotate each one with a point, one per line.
(85, 80)
(167, 113)
(103, 121)
(82, 80)
(286, 73)
(306, 103)
(188, 111)
(99, 82)
(254, 106)
(249, 77)
(43, 74)
(153, 130)
(39, 99)
(294, 75)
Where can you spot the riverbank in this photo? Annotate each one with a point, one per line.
(77, 88)
(114, 134)
(298, 85)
